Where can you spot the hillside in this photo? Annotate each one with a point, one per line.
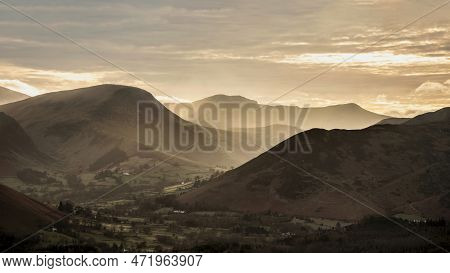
(9, 96)
(22, 215)
(393, 121)
(90, 128)
(442, 115)
(390, 168)
(16, 147)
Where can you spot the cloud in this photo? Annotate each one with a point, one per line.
(382, 58)
(290, 43)
(211, 54)
(67, 76)
(21, 87)
(167, 99)
(375, 2)
(381, 62)
(254, 47)
(33, 81)
(433, 90)
(428, 96)
(420, 40)
(346, 43)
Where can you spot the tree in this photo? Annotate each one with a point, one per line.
(66, 206)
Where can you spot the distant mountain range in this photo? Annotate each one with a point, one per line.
(390, 168)
(9, 96)
(96, 127)
(92, 128)
(254, 115)
(393, 121)
(394, 168)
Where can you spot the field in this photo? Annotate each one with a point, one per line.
(158, 224)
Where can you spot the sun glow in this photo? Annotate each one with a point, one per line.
(21, 87)
(365, 59)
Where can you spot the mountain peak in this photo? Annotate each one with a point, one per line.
(351, 105)
(95, 95)
(221, 98)
(106, 89)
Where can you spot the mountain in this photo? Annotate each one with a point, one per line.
(344, 116)
(91, 128)
(390, 168)
(8, 96)
(438, 116)
(22, 215)
(229, 112)
(442, 115)
(268, 125)
(224, 99)
(16, 147)
(393, 121)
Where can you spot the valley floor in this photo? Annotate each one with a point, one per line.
(144, 216)
(158, 225)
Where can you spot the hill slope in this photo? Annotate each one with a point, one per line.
(393, 121)
(9, 96)
(22, 215)
(390, 168)
(442, 115)
(16, 147)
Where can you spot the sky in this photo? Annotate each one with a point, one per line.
(254, 48)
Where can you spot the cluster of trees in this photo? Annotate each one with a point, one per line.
(101, 176)
(151, 204)
(199, 182)
(30, 176)
(66, 206)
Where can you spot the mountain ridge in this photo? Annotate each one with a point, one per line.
(391, 168)
(221, 98)
(85, 125)
(238, 112)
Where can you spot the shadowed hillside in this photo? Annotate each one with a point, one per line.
(16, 147)
(22, 215)
(390, 168)
(393, 121)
